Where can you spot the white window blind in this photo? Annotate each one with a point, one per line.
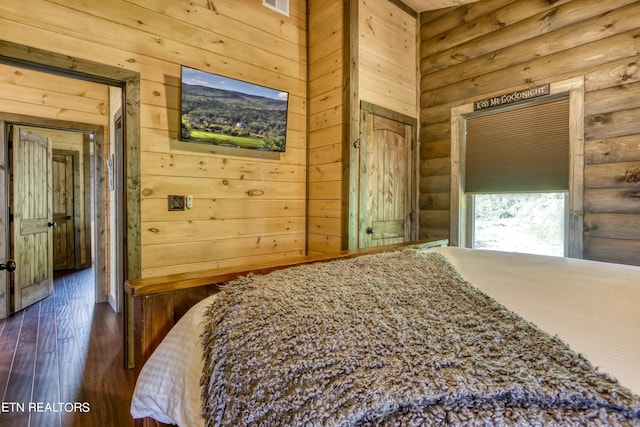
(518, 150)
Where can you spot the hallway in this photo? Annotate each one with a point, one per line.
(61, 360)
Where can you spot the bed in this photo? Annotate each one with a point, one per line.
(496, 374)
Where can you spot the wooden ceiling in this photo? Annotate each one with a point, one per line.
(422, 5)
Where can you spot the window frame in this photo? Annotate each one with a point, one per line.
(460, 203)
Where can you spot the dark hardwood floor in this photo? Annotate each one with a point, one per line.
(61, 361)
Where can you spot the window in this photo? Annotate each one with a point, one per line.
(516, 172)
(523, 222)
(461, 201)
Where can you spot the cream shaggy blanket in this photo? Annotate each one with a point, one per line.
(391, 339)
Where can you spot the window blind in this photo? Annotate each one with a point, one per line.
(518, 150)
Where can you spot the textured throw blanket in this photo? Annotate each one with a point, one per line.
(393, 339)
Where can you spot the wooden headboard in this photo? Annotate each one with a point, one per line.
(159, 302)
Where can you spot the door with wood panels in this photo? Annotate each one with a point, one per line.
(31, 210)
(63, 211)
(387, 178)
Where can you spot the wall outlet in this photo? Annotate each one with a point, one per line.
(176, 203)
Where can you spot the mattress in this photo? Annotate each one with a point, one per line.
(592, 306)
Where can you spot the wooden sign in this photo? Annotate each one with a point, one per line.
(510, 98)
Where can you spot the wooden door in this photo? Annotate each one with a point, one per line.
(63, 212)
(387, 183)
(32, 217)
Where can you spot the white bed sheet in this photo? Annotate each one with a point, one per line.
(168, 387)
(592, 306)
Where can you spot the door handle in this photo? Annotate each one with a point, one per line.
(10, 266)
(369, 230)
(52, 224)
(69, 217)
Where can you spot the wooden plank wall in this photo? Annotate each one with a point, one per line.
(496, 46)
(32, 93)
(246, 209)
(326, 125)
(388, 74)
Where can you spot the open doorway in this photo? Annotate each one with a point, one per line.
(81, 70)
(57, 207)
(67, 346)
(60, 161)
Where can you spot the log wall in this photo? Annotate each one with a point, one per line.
(497, 46)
